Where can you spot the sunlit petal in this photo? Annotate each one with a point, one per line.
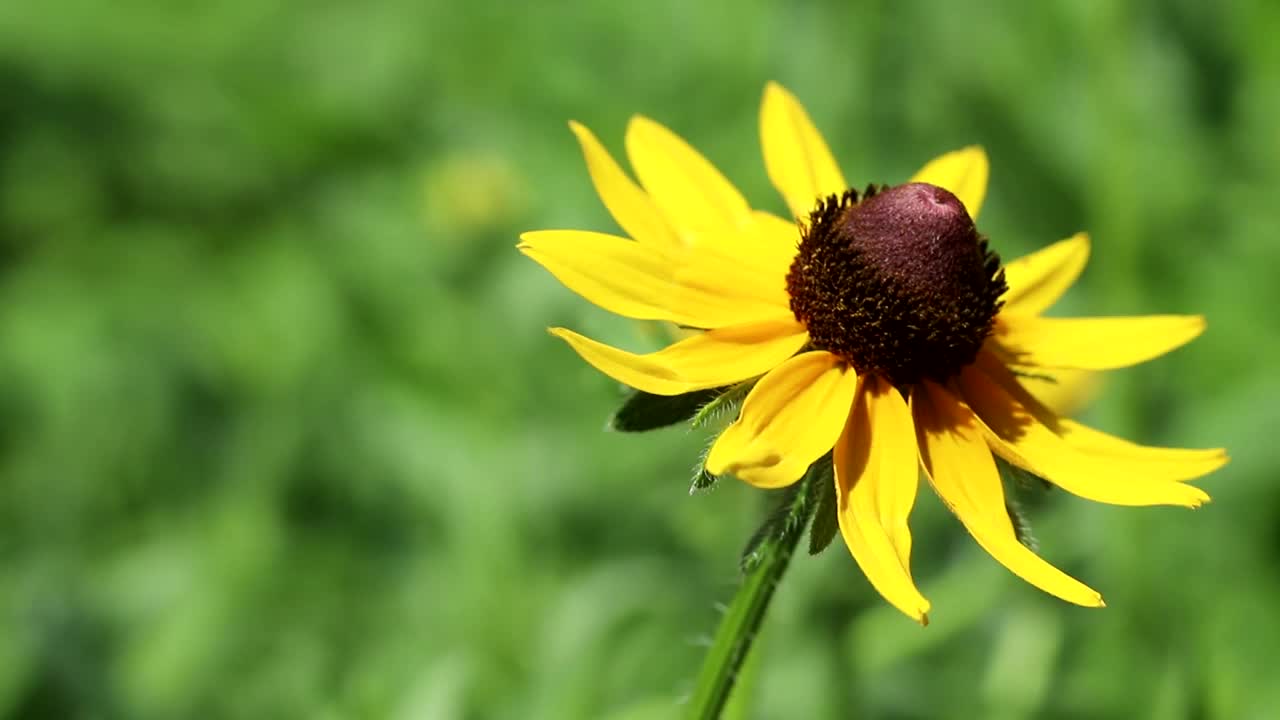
(777, 239)
(795, 155)
(791, 418)
(877, 472)
(756, 255)
(1151, 462)
(710, 359)
(641, 281)
(689, 190)
(1064, 390)
(964, 172)
(1036, 281)
(1019, 437)
(1092, 343)
(1180, 462)
(958, 463)
(630, 206)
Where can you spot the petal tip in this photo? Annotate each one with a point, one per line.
(1082, 245)
(586, 138)
(775, 90)
(528, 237)
(717, 463)
(972, 153)
(640, 123)
(1200, 499)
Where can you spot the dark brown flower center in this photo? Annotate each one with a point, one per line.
(898, 283)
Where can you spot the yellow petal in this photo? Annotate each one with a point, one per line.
(777, 239)
(757, 256)
(1178, 463)
(964, 172)
(959, 466)
(710, 359)
(630, 206)
(1166, 463)
(640, 281)
(1017, 435)
(1160, 462)
(689, 190)
(790, 418)
(770, 227)
(1066, 391)
(1036, 281)
(877, 471)
(1093, 343)
(795, 155)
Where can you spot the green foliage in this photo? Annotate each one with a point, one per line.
(282, 434)
(643, 411)
(825, 521)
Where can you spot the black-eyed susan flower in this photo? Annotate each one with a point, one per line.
(876, 326)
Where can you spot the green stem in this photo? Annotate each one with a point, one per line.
(742, 620)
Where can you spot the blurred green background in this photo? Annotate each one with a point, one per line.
(282, 434)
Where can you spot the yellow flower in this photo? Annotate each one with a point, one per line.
(876, 326)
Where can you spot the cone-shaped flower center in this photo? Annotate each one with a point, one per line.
(899, 283)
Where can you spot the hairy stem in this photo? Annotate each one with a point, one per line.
(743, 618)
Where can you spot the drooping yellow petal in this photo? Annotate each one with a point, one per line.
(964, 172)
(1066, 391)
(1036, 281)
(630, 206)
(1181, 461)
(877, 471)
(710, 359)
(643, 282)
(795, 155)
(1018, 436)
(1157, 462)
(959, 466)
(790, 418)
(1092, 343)
(689, 190)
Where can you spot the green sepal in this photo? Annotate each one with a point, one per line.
(1021, 525)
(643, 411)
(825, 523)
(725, 404)
(1021, 478)
(702, 480)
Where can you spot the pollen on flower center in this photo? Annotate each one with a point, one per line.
(898, 283)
